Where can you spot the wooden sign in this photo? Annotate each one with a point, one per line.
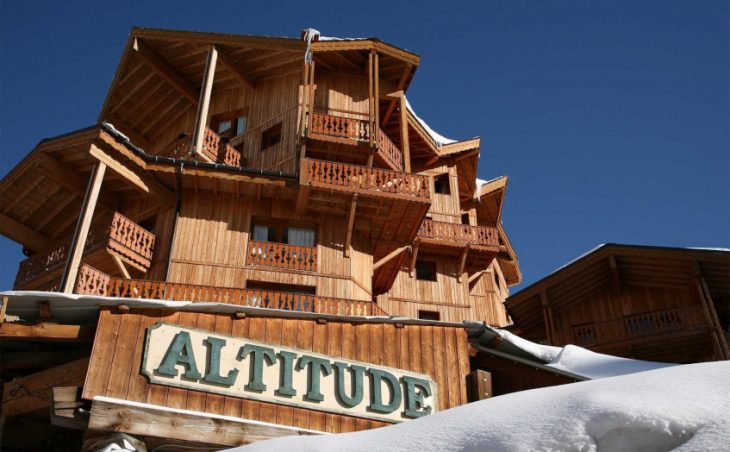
(204, 361)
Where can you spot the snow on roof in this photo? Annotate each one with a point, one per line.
(593, 365)
(481, 182)
(679, 407)
(438, 138)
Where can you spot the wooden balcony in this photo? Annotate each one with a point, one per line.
(94, 282)
(636, 327)
(214, 149)
(365, 180)
(113, 233)
(281, 255)
(355, 131)
(456, 234)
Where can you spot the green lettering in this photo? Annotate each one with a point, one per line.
(213, 372)
(416, 389)
(180, 352)
(316, 367)
(256, 376)
(376, 395)
(285, 380)
(356, 381)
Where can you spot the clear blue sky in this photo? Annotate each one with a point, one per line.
(611, 118)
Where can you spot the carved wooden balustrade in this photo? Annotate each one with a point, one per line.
(281, 255)
(459, 233)
(367, 180)
(93, 282)
(113, 231)
(389, 151)
(340, 127)
(213, 148)
(633, 327)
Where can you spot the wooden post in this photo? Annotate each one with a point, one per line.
(371, 102)
(76, 248)
(201, 117)
(708, 306)
(376, 97)
(547, 316)
(479, 385)
(350, 224)
(404, 135)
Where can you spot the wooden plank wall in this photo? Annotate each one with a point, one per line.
(211, 239)
(274, 100)
(445, 207)
(448, 297)
(439, 351)
(338, 94)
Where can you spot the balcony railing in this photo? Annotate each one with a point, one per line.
(459, 233)
(358, 130)
(281, 255)
(367, 180)
(213, 148)
(114, 231)
(93, 282)
(633, 327)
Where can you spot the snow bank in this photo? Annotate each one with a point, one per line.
(683, 407)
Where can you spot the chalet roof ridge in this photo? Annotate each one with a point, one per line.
(206, 36)
(604, 248)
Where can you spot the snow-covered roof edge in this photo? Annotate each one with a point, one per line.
(439, 139)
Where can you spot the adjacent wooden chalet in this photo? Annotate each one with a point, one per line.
(650, 303)
(258, 238)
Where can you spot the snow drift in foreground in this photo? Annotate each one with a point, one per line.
(685, 407)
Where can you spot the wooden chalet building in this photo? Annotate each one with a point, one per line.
(274, 193)
(641, 302)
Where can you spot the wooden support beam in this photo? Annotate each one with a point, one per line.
(18, 232)
(50, 214)
(76, 250)
(201, 117)
(350, 224)
(546, 314)
(462, 259)
(70, 179)
(67, 406)
(708, 306)
(371, 98)
(234, 68)
(390, 256)
(414, 257)
(405, 146)
(46, 332)
(165, 71)
(31, 393)
(162, 422)
(395, 102)
(143, 182)
(478, 385)
(476, 275)
(120, 265)
(376, 97)
(615, 278)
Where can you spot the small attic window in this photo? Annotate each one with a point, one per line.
(271, 136)
(441, 184)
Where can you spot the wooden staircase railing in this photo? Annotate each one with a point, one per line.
(367, 180)
(389, 151)
(94, 282)
(281, 255)
(459, 233)
(113, 231)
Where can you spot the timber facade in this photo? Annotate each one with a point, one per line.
(280, 191)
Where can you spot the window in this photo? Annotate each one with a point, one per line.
(465, 218)
(299, 236)
(429, 315)
(441, 184)
(270, 136)
(426, 271)
(230, 124)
